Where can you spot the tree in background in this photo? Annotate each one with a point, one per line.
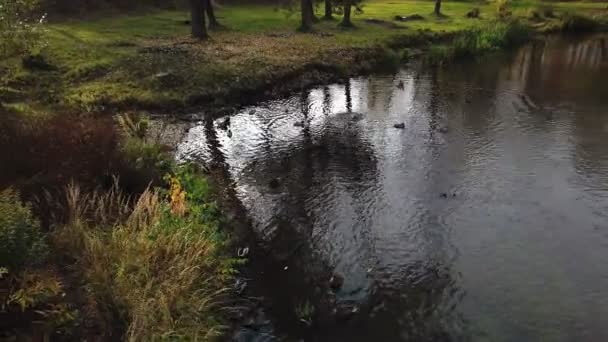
(197, 12)
(306, 8)
(347, 6)
(346, 22)
(438, 7)
(329, 9)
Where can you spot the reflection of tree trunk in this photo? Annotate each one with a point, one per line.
(328, 10)
(326, 101)
(434, 100)
(199, 29)
(349, 99)
(304, 103)
(217, 157)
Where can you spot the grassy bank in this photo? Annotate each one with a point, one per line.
(89, 251)
(147, 60)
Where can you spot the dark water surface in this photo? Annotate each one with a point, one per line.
(485, 218)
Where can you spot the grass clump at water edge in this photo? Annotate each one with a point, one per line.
(478, 41)
(157, 266)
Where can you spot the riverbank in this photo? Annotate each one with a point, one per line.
(104, 238)
(147, 61)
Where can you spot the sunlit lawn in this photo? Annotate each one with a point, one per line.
(100, 60)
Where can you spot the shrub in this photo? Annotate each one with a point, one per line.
(578, 23)
(440, 53)
(159, 269)
(502, 9)
(491, 37)
(34, 302)
(389, 59)
(20, 27)
(534, 15)
(547, 11)
(473, 13)
(21, 242)
(138, 150)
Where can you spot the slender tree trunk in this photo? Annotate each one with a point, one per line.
(307, 14)
(213, 23)
(346, 22)
(437, 7)
(328, 10)
(199, 28)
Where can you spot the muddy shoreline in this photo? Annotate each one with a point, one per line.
(366, 61)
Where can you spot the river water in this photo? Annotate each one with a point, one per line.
(485, 218)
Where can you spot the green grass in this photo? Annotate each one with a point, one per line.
(113, 62)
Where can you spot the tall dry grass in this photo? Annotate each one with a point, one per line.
(159, 272)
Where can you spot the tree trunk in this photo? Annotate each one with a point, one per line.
(213, 23)
(328, 10)
(346, 19)
(438, 7)
(199, 29)
(307, 15)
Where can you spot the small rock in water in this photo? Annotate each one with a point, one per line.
(298, 124)
(336, 281)
(454, 194)
(443, 129)
(251, 112)
(444, 195)
(229, 134)
(399, 125)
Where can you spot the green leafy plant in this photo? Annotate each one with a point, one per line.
(21, 242)
(35, 289)
(305, 312)
(39, 295)
(134, 125)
